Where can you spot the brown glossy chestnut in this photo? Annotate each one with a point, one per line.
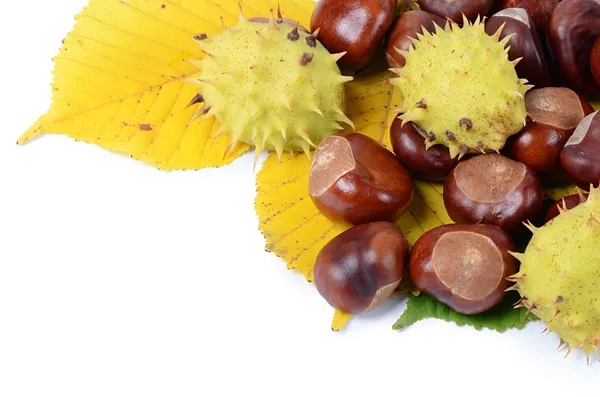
(456, 8)
(407, 26)
(359, 269)
(355, 180)
(555, 113)
(568, 203)
(573, 30)
(493, 189)
(356, 27)
(433, 164)
(595, 61)
(525, 44)
(539, 10)
(581, 155)
(464, 266)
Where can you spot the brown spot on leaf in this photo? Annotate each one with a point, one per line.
(200, 37)
(145, 127)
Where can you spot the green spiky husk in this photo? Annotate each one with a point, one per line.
(559, 280)
(460, 88)
(271, 86)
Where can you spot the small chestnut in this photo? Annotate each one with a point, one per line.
(495, 190)
(408, 142)
(464, 266)
(525, 44)
(539, 10)
(573, 30)
(356, 27)
(581, 155)
(555, 113)
(359, 269)
(568, 203)
(595, 61)
(353, 179)
(456, 8)
(407, 26)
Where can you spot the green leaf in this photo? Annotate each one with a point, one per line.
(499, 318)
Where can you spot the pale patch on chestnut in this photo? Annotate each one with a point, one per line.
(502, 174)
(581, 130)
(333, 159)
(520, 14)
(465, 263)
(555, 106)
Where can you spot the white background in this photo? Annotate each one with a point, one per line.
(120, 280)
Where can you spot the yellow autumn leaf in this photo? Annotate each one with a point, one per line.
(120, 78)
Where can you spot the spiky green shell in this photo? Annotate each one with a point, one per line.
(460, 88)
(271, 85)
(559, 278)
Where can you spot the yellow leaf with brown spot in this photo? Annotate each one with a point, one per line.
(120, 79)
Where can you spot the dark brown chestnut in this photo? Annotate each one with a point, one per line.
(356, 27)
(555, 113)
(581, 155)
(495, 190)
(433, 164)
(595, 61)
(464, 266)
(573, 30)
(359, 269)
(407, 26)
(456, 8)
(539, 10)
(353, 179)
(525, 44)
(568, 203)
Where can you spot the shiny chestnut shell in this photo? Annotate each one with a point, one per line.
(360, 268)
(525, 44)
(568, 202)
(581, 155)
(555, 113)
(456, 8)
(433, 164)
(493, 189)
(573, 30)
(595, 61)
(407, 26)
(353, 26)
(464, 266)
(353, 179)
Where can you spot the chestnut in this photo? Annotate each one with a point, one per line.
(539, 10)
(573, 30)
(355, 180)
(495, 190)
(555, 113)
(456, 8)
(581, 155)
(353, 26)
(568, 203)
(595, 61)
(360, 268)
(407, 26)
(408, 142)
(525, 44)
(464, 266)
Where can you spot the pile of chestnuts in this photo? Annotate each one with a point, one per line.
(356, 181)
